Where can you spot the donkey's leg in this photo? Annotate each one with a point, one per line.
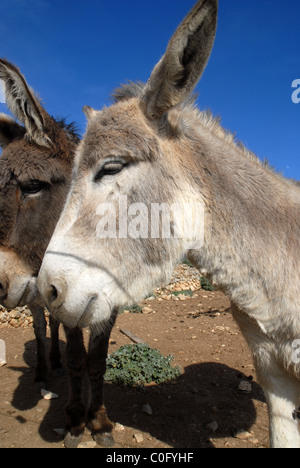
(55, 357)
(76, 365)
(282, 394)
(96, 365)
(282, 390)
(40, 326)
(102, 427)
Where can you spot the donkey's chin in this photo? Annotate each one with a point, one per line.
(96, 313)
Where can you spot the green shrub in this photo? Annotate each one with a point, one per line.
(184, 292)
(133, 309)
(138, 365)
(205, 284)
(188, 263)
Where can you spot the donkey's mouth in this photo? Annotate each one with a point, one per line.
(73, 319)
(29, 293)
(86, 317)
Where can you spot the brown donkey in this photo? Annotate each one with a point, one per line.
(35, 173)
(241, 221)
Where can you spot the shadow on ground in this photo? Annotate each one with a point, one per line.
(205, 392)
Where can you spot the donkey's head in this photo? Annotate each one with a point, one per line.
(111, 245)
(35, 172)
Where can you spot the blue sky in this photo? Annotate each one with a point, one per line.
(75, 52)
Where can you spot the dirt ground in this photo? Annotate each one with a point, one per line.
(204, 407)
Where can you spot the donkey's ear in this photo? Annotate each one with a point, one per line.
(9, 130)
(23, 104)
(187, 54)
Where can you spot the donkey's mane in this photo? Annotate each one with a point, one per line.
(132, 89)
(189, 112)
(70, 128)
(190, 117)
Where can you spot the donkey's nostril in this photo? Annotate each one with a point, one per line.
(55, 294)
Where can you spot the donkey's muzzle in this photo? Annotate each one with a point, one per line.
(54, 293)
(69, 287)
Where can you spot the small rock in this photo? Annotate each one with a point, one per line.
(242, 435)
(119, 427)
(146, 310)
(15, 314)
(182, 297)
(87, 445)
(212, 426)
(3, 318)
(245, 387)
(2, 353)
(147, 409)
(139, 438)
(48, 395)
(15, 323)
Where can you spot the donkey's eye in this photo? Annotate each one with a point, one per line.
(33, 188)
(110, 168)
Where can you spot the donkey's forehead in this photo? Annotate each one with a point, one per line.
(17, 152)
(25, 160)
(120, 130)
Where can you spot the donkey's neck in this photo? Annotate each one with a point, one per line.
(252, 224)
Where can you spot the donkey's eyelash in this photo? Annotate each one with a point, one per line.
(33, 187)
(110, 168)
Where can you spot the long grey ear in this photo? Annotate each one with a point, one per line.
(9, 130)
(23, 104)
(187, 54)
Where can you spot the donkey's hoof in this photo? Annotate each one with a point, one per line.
(105, 439)
(72, 441)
